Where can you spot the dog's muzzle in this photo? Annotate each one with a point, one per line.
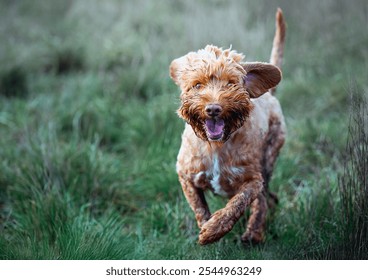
(214, 125)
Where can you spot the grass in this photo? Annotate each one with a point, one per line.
(89, 134)
(353, 182)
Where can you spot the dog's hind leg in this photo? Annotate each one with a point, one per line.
(274, 141)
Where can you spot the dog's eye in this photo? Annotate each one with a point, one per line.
(198, 86)
(230, 84)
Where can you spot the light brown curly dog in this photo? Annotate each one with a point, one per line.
(234, 131)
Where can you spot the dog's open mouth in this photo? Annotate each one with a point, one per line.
(214, 128)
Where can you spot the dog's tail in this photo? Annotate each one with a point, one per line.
(277, 52)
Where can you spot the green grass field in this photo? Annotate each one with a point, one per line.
(89, 134)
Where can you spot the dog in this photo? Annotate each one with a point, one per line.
(233, 134)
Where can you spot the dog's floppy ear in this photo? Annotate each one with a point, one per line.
(260, 77)
(176, 67)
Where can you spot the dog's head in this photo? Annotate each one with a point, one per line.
(216, 89)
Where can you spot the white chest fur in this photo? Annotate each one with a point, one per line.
(215, 173)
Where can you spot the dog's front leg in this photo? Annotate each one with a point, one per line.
(223, 220)
(196, 200)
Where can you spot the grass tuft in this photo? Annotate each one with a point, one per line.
(66, 61)
(353, 183)
(14, 82)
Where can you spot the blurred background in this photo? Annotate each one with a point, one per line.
(89, 134)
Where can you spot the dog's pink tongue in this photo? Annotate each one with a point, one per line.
(215, 127)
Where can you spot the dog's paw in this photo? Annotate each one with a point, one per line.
(252, 237)
(215, 228)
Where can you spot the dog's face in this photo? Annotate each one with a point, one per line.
(216, 90)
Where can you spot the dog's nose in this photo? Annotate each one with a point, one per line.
(213, 110)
